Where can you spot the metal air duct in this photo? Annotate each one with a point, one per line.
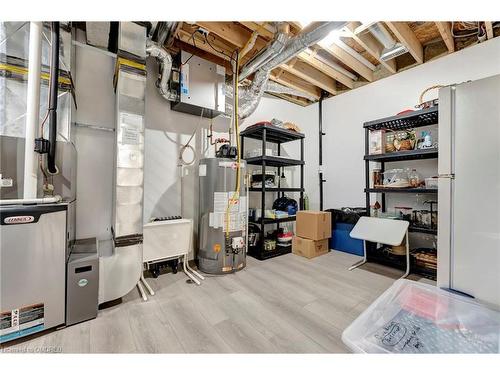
(310, 35)
(392, 48)
(276, 46)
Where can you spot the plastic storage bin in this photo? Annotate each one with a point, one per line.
(343, 221)
(341, 240)
(412, 317)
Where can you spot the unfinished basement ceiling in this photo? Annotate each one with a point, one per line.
(340, 66)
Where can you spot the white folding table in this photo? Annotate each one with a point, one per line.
(384, 231)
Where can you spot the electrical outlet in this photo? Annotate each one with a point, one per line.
(203, 31)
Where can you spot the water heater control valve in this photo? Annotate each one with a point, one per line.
(237, 243)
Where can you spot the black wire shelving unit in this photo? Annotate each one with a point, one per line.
(411, 120)
(272, 134)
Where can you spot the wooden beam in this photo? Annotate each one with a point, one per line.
(325, 68)
(489, 29)
(260, 29)
(294, 82)
(293, 99)
(203, 54)
(445, 31)
(407, 37)
(350, 61)
(249, 44)
(312, 75)
(371, 45)
(200, 43)
(229, 31)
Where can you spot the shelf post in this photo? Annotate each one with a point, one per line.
(367, 172)
(302, 177)
(263, 193)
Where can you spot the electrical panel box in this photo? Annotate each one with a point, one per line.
(201, 86)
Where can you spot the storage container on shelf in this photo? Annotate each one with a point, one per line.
(431, 183)
(397, 178)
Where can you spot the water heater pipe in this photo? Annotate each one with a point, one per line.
(33, 110)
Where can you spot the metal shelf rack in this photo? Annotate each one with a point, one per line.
(273, 134)
(411, 120)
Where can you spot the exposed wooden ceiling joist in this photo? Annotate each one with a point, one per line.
(311, 75)
(199, 42)
(371, 45)
(328, 70)
(254, 26)
(445, 31)
(489, 29)
(230, 31)
(294, 82)
(203, 54)
(407, 37)
(300, 101)
(350, 61)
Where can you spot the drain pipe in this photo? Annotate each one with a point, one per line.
(54, 86)
(321, 134)
(33, 110)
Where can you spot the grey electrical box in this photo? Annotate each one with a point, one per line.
(201, 86)
(82, 285)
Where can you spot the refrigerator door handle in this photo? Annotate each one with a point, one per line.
(447, 175)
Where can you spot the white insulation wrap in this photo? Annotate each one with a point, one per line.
(164, 58)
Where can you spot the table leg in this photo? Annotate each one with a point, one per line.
(361, 262)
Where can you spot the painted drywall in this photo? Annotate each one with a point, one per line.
(345, 114)
(169, 188)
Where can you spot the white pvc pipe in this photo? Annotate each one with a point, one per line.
(54, 199)
(32, 110)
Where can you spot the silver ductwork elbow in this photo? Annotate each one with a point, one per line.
(254, 94)
(392, 48)
(164, 58)
(309, 36)
(276, 46)
(278, 88)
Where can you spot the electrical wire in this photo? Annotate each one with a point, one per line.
(230, 57)
(186, 146)
(476, 29)
(194, 44)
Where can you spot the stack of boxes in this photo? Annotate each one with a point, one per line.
(313, 230)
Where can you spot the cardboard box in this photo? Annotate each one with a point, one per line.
(309, 248)
(314, 225)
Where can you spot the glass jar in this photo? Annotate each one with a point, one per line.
(377, 177)
(414, 178)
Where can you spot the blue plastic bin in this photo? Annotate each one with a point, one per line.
(341, 240)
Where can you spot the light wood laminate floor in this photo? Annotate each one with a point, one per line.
(287, 304)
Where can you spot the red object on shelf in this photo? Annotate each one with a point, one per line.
(405, 112)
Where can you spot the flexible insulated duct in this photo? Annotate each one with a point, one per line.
(164, 58)
(309, 36)
(276, 46)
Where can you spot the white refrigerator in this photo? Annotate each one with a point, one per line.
(469, 189)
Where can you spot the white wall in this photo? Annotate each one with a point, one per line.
(168, 189)
(345, 114)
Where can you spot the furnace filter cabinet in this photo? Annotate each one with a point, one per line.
(219, 253)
